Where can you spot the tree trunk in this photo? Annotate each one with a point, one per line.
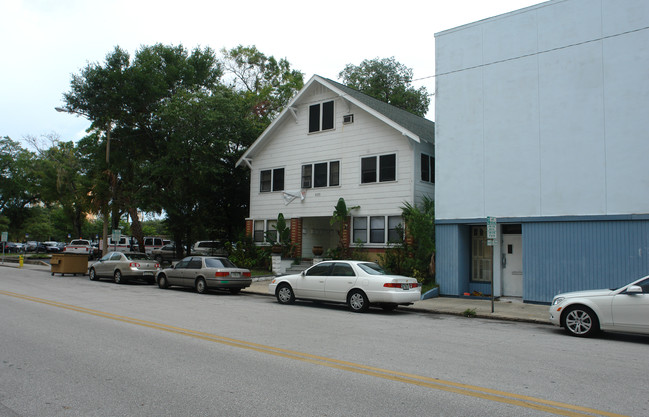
(136, 228)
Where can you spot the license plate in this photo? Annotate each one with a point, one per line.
(148, 274)
(235, 274)
(405, 286)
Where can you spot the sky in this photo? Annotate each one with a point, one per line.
(45, 42)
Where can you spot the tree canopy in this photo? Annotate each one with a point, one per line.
(387, 80)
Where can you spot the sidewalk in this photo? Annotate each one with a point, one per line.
(505, 309)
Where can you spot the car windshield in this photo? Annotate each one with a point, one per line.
(372, 268)
(137, 256)
(219, 263)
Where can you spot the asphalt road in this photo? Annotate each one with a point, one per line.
(72, 347)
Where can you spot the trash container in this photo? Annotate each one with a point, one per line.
(69, 263)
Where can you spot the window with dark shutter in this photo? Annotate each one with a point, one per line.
(314, 118)
(278, 179)
(368, 170)
(388, 167)
(328, 115)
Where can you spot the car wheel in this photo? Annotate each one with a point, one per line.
(235, 290)
(357, 301)
(119, 278)
(285, 294)
(201, 286)
(580, 321)
(162, 281)
(93, 275)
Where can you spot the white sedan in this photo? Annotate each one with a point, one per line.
(585, 313)
(356, 283)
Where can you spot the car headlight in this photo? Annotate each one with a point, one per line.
(558, 300)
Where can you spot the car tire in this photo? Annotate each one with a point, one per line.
(357, 301)
(93, 275)
(285, 294)
(234, 291)
(119, 278)
(580, 321)
(162, 281)
(201, 286)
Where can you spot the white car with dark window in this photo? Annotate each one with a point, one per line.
(359, 284)
(585, 313)
(80, 246)
(204, 273)
(123, 267)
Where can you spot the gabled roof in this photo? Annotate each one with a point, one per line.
(412, 126)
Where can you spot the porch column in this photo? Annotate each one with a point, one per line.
(296, 235)
(249, 230)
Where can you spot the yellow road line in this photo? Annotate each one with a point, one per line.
(539, 404)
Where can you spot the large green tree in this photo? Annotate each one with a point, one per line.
(18, 184)
(122, 99)
(267, 82)
(387, 80)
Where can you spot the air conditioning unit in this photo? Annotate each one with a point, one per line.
(348, 118)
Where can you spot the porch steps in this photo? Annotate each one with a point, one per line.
(296, 269)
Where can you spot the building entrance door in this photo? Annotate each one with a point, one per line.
(512, 259)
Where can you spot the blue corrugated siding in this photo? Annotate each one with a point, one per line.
(452, 258)
(572, 256)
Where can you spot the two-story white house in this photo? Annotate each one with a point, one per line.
(541, 123)
(334, 142)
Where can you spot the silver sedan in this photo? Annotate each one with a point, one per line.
(122, 267)
(204, 273)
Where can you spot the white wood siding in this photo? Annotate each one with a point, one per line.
(292, 146)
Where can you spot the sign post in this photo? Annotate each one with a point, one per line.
(5, 237)
(117, 234)
(491, 241)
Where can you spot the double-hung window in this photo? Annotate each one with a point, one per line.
(377, 229)
(271, 180)
(321, 116)
(427, 168)
(381, 168)
(321, 174)
(263, 228)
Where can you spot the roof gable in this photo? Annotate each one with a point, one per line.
(412, 126)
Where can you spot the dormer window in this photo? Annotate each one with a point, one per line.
(321, 116)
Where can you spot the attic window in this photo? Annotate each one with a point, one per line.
(348, 119)
(321, 116)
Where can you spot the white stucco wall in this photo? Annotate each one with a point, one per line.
(542, 112)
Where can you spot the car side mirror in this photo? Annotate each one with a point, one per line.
(634, 289)
(303, 273)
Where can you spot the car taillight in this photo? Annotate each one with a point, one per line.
(399, 285)
(221, 274)
(246, 274)
(157, 266)
(134, 265)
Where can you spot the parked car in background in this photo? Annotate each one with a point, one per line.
(52, 247)
(166, 253)
(8, 247)
(209, 247)
(204, 273)
(586, 313)
(80, 246)
(31, 246)
(151, 243)
(123, 267)
(122, 245)
(359, 284)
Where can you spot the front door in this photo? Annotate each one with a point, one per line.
(512, 259)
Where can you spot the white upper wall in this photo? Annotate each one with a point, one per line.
(542, 112)
(291, 146)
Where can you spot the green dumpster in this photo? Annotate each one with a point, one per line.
(69, 263)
